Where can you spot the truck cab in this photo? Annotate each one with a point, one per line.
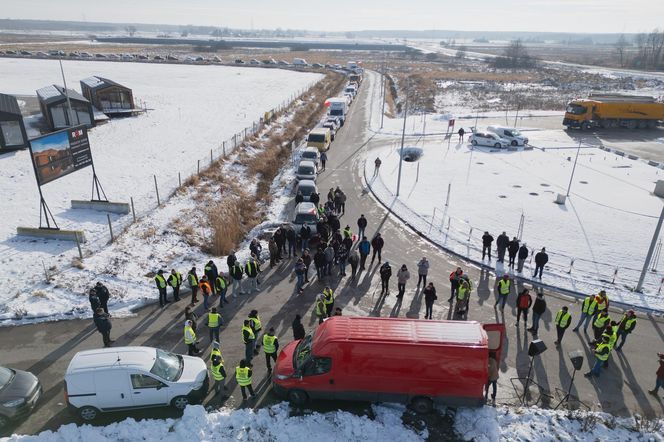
(577, 114)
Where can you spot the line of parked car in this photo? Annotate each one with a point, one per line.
(499, 137)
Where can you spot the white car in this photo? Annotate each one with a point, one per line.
(515, 137)
(126, 378)
(487, 139)
(306, 170)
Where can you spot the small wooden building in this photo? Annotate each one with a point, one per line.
(12, 130)
(111, 98)
(54, 108)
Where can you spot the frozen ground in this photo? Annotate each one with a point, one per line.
(193, 108)
(385, 423)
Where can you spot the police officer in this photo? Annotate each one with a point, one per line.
(243, 375)
(214, 324)
(563, 319)
(175, 281)
(248, 337)
(161, 286)
(504, 288)
(270, 347)
(328, 294)
(256, 326)
(190, 338)
(218, 373)
(587, 312)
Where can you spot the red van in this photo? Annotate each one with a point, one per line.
(414, 361)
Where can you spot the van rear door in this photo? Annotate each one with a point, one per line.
(496, 334)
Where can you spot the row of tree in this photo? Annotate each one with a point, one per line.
(646, 51)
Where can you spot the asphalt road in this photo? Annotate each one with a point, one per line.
(46, 349)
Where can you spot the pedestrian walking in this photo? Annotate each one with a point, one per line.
(319, 308)
(361, 226)
(206, 291)
(95, 303)
(249, 339)
(377, 244)
(354, 261)
(218, 373)
(403, 275)
(461, 133)
(539, 307)
(377, 163)
(563, 319)
(599, 325)
(502, 243)
(504, 288)
(161, 286)
(214, 323)
(211, 272)
(243, 375)
(252, 269)
(328, 295)
(492, 380)
(385, 275)
(192, 281)
(522, 256)
(256, 326)
(103, 294)
(602, 351)
(588, 308)
(323, 160)
(236, 275)
(422, 272)
(175, 281)
(364, 248)
(659, 381)
(512, 250)
(190, 339)
(429, 298)
(221, 283)
(625, 327)
(299, 270)
(102, 321)
(455, 279)
(487, 240)
(298, 328)
(523, 303)
(270, 347)
(541, 258)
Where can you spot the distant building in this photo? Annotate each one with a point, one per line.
(12, 129)
(54, 108)
(108, 96)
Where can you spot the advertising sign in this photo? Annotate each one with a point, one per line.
(60, 153)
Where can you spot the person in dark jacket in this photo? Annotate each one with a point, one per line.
(256, 248)
(361, 226)
(230, 260)
(272, 248)
(94, 300)
(385, 274)
(539, 307)
(455, 280)
(103, 294)
(299, 198)
(523, 303)
(305, 236)
(522, 256)
(377, 245)
(501, 245)
(306, 259)
(298, 328)
(212, 273)
(541, 258)
(321, 263)
(364, 248)
(354, 261)
(291, 238)
(102, 321)
(341, 257)
(314, 198)
(487, 240)
(280, 239)
(513, 249)
(429, 298)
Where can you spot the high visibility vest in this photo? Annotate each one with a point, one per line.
(348, 233)
(320, 308)
(602, 303)
(504, 287)
(247, 267)
(256, 323)
(216, 352)
(175, 282)
(250, 331)
(213, 320)
(464, 289)
(207, 269)
(563, 318)
(629, 323)
(589, 305)
(329, 296)
(189, 335)
(221, 282)
(242, 376)
(193, 280)
(161, 282)
(216, 370)
(601, 352)
(601, 321)
(613, 337)
(268, 344)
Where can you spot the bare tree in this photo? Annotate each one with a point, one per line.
(515, 56)
(131, 30)
(621, 46)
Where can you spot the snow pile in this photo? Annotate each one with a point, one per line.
(265, 424)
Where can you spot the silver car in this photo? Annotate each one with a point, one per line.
(306, 170)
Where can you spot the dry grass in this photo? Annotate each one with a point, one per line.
(77, 263)
(40, 294)
(150, 232)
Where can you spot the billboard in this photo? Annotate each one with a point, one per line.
(60, 153)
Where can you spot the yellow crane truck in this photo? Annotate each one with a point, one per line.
(614, 110)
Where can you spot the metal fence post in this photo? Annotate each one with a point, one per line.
(179, 180)
(110, 226)
(210, 156)
(133, 212)
(78, 245)
(198, 167)
(156, 188)
(223, 147)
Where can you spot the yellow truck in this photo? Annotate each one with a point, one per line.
(614, 110)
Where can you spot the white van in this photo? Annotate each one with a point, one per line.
(125, 378)
(300, 62)
(513, 135)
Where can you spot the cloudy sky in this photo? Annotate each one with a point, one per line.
(341, 15)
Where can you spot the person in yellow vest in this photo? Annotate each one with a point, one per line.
(216, 351)
(248, 337)
(463, 294)
(599, 324)
(243, 375)
(214, 323)
(588, 309)
(563, 319)
(270, 347)
(328, 294)
(161, 286)
(192, 281)
(175, 281)
(206, 289)
(190, 339)
(602, 301)
(626, 326)
(602, 351)
(504, 288)
(218, 373)
(256, 326)
(221, 284)
(320, 310)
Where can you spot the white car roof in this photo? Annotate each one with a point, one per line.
(138, 357)
(306, 183)
(306, 208)
(311, 149)
(307, 163)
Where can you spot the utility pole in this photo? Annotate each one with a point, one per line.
(573, 168)
(382, 112)
(655, 237)
(403, 136)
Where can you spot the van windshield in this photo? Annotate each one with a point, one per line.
(167, 366)
(302, 353)
(316, 138)
(336, 112)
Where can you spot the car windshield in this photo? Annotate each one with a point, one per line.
(305, 170)
(6, 376)
(310, 154)
(302, 353)
(168, 366)
(306, 190)
(305, 218)
(513, 133)
(576, 109)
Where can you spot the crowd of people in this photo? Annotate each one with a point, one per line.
(517, 253)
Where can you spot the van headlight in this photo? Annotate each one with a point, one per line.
(13, 404)
(282, 377)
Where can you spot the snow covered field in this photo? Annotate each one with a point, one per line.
(193, 109)
(277, 424)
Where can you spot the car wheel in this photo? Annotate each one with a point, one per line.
(514, 143)
(474, 143)
(497, 145)
(180, 402)
(422, 405)
(298, 397)
(88, 413)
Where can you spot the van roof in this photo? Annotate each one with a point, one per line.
(139, 357)
(399, 331)
(320, 130)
